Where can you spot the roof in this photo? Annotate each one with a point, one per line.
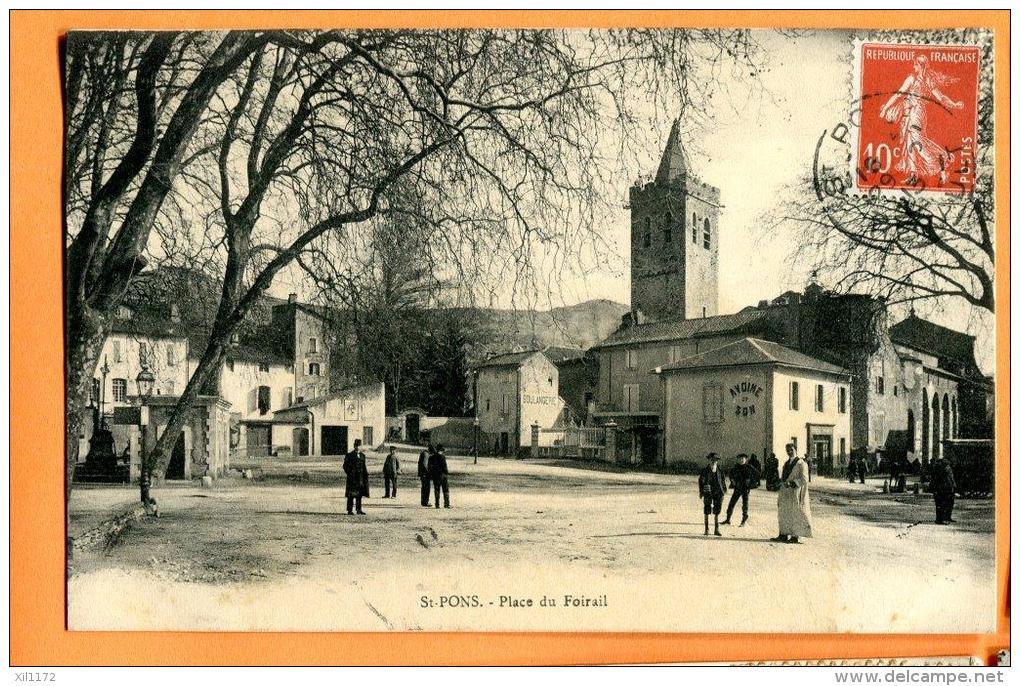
(319, 400)
(674, 160)
(746, 321)
(507, 359)
(921, 334)
(558, 354)
(753, 351)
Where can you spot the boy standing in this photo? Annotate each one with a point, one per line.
(712, 487)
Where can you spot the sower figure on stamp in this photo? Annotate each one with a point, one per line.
(943, 488)
(793, 503)
(357, 478)
(712, 487)
(439, 473)
(423, 474)
(391, 467)
(741, 477)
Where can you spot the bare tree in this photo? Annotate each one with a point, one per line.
(903, 246)
(297, 141)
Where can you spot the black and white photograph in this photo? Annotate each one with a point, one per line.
(606, 330)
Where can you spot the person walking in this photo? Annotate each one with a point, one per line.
(943, 488)
(423, 475)
(741, 477)
(794, 505)
(357, 478)
(712, 488)
(391, 467)
(439, 474)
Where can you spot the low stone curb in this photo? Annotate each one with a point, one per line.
(106, 530)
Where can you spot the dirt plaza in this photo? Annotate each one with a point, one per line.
(527, 545)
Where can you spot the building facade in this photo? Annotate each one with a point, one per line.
(513, 392)
(329, 424)
(754, 396)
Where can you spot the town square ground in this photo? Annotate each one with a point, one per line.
(527, 545)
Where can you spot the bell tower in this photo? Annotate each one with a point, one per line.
(674, 240)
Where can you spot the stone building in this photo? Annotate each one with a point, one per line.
(674, 240)
(754, 396)
(514, 391)
(329, 424)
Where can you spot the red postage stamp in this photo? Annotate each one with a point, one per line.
(918, 117)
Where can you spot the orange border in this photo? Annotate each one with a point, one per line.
(37, 633)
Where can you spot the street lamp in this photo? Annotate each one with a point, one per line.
(475, 448)
(145, 381)
(104, 370)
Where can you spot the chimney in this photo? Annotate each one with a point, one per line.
(627, 320)
(292, 298)
(175, 313)
(762, 304)
(639, 316)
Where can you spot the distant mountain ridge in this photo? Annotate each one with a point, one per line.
(579, 326)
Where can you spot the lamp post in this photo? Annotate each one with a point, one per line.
(145, 381)
(474, 449)
(104, 370)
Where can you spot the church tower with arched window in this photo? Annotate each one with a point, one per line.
(674, 247)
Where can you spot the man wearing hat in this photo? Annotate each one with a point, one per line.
(357, 478)
(712, 487)
(741, 477)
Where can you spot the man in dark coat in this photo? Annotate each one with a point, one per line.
(755, 464)
(741, 477)
(772, 480)
(391, 467)
(712, 488)
(357, 478)
(943, 487)
(439, 474)
(423, 475)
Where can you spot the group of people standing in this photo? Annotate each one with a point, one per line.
(793, 504)
(432, 471)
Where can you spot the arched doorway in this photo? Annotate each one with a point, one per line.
(925, 427)
(936, 427)
(947, 418)
(300, 438)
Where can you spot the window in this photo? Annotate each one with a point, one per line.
(171, 387)
(794, 395)
(819, 398)
(631, 359)
(116, 351)
(675, 353)
(880, 385)
(842, 400)
(895, 389)
(488, 405)
(694, 228)
(842, 447)
(313, 345)
(263, 367)
(550, 381)
(124, 312)
(313, 369)
(711, 402)
(264, 400)
(119, 390)
(667, 228)
(631, 396)
(506, 403)
(366, 435)
(708, 234)
(171, 358)
(230, 363)
(288, 397)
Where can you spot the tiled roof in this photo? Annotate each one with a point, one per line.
(746, 321)
(750, 351)
(507, 359)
